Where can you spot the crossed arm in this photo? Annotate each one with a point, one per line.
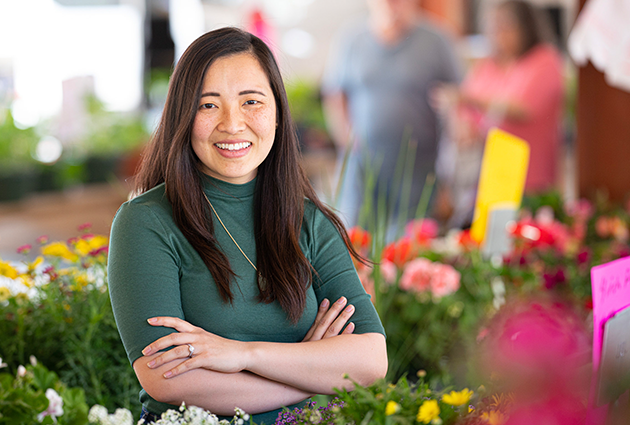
(259, 376)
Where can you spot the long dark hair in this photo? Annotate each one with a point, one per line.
(281, 181)
(528, 22)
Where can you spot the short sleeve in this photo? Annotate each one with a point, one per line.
(451, 71)
(335, 77)
(143, 274)
(337, 277)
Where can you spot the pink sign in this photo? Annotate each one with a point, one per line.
(610, 284)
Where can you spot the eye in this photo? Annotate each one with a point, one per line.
(207, 106)
(252, 102)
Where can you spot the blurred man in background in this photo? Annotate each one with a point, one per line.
(377, 88)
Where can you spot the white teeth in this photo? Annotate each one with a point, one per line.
(233, 146)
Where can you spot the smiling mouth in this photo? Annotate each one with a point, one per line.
(233, 146)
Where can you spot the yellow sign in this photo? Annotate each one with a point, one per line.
(502, 178)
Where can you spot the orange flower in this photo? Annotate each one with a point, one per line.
(360, 239)
(400, 252)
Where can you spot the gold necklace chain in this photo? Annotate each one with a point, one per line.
(228, 232)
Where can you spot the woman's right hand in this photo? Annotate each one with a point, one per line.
(330, 320)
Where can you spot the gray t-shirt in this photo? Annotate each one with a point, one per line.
(388, 89)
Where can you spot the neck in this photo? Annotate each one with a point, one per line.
(390, 31)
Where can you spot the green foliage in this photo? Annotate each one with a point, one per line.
(16, 145)
(386, 403)
(23, 398)
(112, 133)
(305, 104)
(67, 323)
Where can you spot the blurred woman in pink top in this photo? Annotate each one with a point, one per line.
(519, 89)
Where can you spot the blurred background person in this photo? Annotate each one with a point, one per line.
(376, 88)
(518, 88)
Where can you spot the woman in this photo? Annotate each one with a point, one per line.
(519, 89)
(217, 269)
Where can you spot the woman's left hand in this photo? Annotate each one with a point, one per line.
(210, 351)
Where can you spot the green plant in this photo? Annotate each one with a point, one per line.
(35, 395)
(63, 317)
(16, 145)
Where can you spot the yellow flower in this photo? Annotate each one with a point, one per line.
(82, 247)
(59, 249)
(8, 270)
(428, 412)
(391, 408)
(494, 417)
(5, 293)
(27, 280)
(455, 398)
(98, 241)
(80, 281)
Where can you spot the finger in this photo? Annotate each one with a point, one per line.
(339, 323)
(323, 308)
(329, 318)
(171, 322)
(169, 341)
(179, 352)
(181, 368)
(349, 329)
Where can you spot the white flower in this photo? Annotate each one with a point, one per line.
(2, 364)
(55, 405)
(33, 361)
(21, 372)
(97, 414)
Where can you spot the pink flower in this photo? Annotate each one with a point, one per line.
(445, 280)
(84, 227)
(42, 239)
(422, 230)
(580, 209)
(24, 249)
(389, 272)
(417, 275)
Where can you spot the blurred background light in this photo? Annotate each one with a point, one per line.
(48, 150)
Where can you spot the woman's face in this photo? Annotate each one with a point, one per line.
(235, 125)
(505, 35)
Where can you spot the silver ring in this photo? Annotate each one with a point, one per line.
(191, 350)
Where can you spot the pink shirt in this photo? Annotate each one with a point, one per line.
(535, 82)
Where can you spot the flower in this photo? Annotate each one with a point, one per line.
(8, 270)
(388, 271)
(428, 411)
(457, 398)
(59, 249)
(42, 239)
(391, 408)
(360, 239)
(400, 252)
(423, 230)
(5, 293)
(494, 417)
(417, 275)
(84, 227)
(24, 249)
(2, 364)
(55, 405)
(445, 280)
(21, 371)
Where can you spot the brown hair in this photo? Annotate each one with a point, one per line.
(281, 181)
(528, 23)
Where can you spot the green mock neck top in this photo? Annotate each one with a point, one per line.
(154, 271)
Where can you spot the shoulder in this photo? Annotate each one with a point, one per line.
(316, 224)
(149, 205)
(543, 55)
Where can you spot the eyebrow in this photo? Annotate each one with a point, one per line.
(244, 92)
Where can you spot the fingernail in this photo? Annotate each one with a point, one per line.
(325, 303)
(341, 300)
(151, 364)
(152, 320)
(146, 351)
(168, 374)
(350, 309)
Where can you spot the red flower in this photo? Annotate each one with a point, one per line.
(400, 252)
(360, 239)
(24, 249)
(84, 227)
(42, 239)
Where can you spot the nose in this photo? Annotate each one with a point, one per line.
(232, 120)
